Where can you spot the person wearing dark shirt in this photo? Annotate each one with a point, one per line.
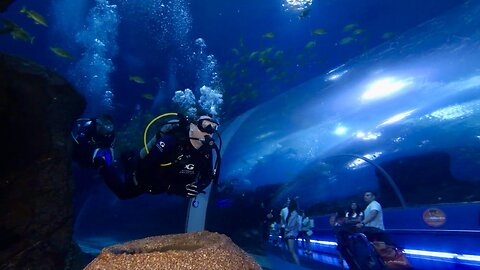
(177, 160)
(93, 141)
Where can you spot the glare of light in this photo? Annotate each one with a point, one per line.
(335, 76)
(327, 243)
(465, 257)
(397, 118)
(384, 87)
(425, 253)
(340, 130)
(451, 112)
(446, 255)
(367, 136)
(298, 5)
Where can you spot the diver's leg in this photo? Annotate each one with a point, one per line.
(124, 187)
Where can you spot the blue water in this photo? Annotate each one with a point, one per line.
(276, 59)
(112, 40)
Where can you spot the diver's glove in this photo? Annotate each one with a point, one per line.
(192, 190)
(102, 157)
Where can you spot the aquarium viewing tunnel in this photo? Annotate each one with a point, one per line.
(320, 103)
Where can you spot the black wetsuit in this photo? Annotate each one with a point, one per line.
(171, 165)
(87, 140)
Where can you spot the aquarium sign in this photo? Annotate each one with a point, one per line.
(434, 217)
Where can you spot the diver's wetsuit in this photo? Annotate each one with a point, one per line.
(87, 140)
(171, 164)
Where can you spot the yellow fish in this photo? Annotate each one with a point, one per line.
(346, 40)
(235, 51)
(319, 31)
(37, 18)
(349, 27)
(148, 96)
(310, 45)
(16, 31)
(388, 35)
(269, 35)
(61, 52)
(137, 79)
(358, 31)
(253, 55)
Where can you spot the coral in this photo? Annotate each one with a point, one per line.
(198, 250)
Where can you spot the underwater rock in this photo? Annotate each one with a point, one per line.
(198, 250)
(37, 108)
(4, 4)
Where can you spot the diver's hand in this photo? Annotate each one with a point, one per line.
(193, 190)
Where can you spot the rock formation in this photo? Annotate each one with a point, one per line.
(37, 109)
(4, 4)
(199, 250)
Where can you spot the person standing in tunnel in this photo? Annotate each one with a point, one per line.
(283, 220)
(373, 213)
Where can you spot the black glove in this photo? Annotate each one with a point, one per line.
(192, 190)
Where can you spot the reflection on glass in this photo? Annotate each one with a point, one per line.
(397, 117)
(384, 87)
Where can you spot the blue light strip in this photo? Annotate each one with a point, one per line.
(422, 253)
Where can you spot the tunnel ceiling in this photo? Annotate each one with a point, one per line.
(413, 95)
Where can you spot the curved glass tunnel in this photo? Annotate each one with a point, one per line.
(410, 106)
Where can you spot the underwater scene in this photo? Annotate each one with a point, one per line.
(280, 134)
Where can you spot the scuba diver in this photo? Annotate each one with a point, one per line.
(177, 160)
(93, 141)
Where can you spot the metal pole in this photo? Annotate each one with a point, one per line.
(389, 179)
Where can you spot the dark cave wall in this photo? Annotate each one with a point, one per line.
(37, 108)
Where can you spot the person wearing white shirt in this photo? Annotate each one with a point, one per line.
(373, 213)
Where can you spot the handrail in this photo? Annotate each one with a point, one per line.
(385, 174)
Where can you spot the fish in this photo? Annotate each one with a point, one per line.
(358, 31)
(304, 14)
(16, 31)
(310, 45)
(61, 52)
(388, 35)
(278, 53)
(253, 55)
(268, 35)
(346, 40)
(36, 17)
(137, 79)
(349, 27)
(319, 31)
(235, 51)
(148, 96)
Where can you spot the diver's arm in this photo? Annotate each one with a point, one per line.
(150, 144)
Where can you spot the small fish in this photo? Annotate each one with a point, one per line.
(304, 14)
(37, 18)
(346, 40)
(148, 96)
(268, 35)
(319, 31)
(137, 79)
(235, 51)
(278, 53)
(388, 35)
(358, 31)
(16, 31)
(61, 52)
(349, 27)
(270, 69)
(310, 45)
(253, 55)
